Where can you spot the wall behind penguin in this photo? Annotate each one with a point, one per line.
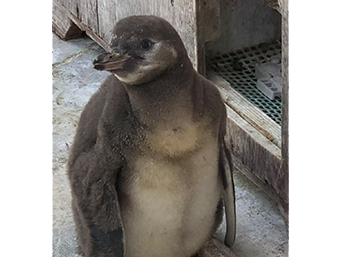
(97, 18)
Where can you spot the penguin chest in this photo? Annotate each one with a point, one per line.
(174, 140)
(168, 206)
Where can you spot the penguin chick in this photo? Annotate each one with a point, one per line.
(148, 166)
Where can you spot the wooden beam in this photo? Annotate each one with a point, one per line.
(255, 142)
(256, 157)
(242, 136)
(253, 115)
(284, 169)
(207, 28)
(200, 42)
(212, 20)
(62, 25)
(90, 33)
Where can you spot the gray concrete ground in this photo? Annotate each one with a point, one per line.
(260, 229)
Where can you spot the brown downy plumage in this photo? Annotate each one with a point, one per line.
(149, 167)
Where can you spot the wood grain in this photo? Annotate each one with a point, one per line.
(90, 33)
(211, 19)
(284, 180)
(258, 119)
(92, 15)
(256, 156)
(100, 16)
(62, 24)
(107, 18)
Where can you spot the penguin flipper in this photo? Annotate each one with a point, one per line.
(226, 170)
(96, 207)
(93, 170)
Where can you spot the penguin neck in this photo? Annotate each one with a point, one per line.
(165, 99)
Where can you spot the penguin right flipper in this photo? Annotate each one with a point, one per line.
(93, 168)
(226, 171)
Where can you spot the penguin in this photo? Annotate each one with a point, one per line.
(149, 169)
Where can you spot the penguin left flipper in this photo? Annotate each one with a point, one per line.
(96, 208)
(93, 169)
(226, 171)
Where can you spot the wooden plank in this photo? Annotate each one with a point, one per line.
(181, 14)
(69, 5)
(60, 2)
(253, 115)
(82, 8)
(72, 7)
(255, 156)
(265, 187)
(242, 147)
(98, 17)
(212, 19)
(207, 28)
(106, 17)
(245, 23)
(62, 24)
(285, 105)
(90, 33)
(86, 12)
(92, 15)
(200, 30)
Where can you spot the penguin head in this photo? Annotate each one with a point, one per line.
(142, 48)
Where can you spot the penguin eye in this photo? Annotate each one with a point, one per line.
(145, 44)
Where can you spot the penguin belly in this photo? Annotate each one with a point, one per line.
(168, 205)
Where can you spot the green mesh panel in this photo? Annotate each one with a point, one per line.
(238, 69)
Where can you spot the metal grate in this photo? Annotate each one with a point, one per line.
(238, 68)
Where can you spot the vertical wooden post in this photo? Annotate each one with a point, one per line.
(200, 48)
(284, 168)
(207, 28)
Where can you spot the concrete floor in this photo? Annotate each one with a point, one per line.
(260, 229)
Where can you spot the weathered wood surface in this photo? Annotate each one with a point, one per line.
(245, 23)
(285, 105)
(255, 142)
(253, 115)
(90, 33)
(209, 11)
(61, 23)
(99, 17)
(255, 156)
(265, 187)
(208, 25)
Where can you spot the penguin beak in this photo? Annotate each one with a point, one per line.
(110, 61)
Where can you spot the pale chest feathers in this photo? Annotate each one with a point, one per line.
(171, 190)
(176, 156)
(171, 204)
(176, 139)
